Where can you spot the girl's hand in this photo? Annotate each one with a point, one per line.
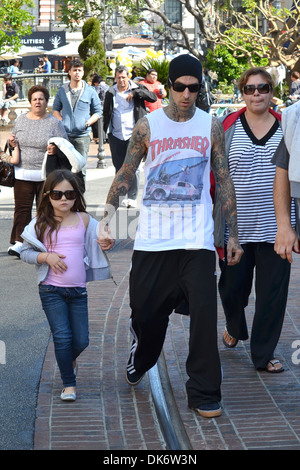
(51, 149)
(55, 261)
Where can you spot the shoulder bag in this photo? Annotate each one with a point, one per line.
(7, 171)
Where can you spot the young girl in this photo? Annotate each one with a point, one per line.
(62, 242)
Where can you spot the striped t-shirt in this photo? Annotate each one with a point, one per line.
(253, 174)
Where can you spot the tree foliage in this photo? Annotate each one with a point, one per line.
(91, 49)
(274, 34)
(14, 23)
(222, 61)
(73, 12)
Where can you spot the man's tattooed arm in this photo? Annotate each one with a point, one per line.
(137, 150)
(225, 189)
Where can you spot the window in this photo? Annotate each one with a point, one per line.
(173, 10)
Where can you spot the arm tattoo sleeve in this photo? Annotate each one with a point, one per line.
(224, 184)
(137, 150)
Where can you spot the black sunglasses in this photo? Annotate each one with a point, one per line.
(70, 194)
(180, 87)
(262, 88)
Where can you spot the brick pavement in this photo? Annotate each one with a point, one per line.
(261, 410)
(108, 414)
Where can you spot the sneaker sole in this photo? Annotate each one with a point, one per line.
(133, 383)
(13, 253)
(208, 413)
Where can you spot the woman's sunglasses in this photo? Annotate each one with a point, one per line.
(70, 194)
(262, 88)
(180, 87)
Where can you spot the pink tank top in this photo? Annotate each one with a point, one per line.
(68, 241)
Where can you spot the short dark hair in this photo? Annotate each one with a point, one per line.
(75, 63)
(36, 88)
(96, 79)
(7, 76)
(151, 70)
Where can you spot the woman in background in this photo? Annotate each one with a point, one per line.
(31, 133)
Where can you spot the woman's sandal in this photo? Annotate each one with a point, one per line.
(228, 340)
(273, 362)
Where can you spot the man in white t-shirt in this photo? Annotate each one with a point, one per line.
(174, 256)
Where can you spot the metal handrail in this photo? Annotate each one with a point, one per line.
(25, 81)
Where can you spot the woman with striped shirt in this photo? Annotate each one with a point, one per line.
(252, 136)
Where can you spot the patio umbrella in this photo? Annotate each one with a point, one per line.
(134, 52)
(26, 51)
(9, 56)
(65, 51)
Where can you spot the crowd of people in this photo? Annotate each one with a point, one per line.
(242, 174)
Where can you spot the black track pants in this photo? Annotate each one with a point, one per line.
(272, 276)
(158, 282)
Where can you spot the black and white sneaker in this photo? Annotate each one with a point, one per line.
(14, 250)
(208, 410)
(133, 378)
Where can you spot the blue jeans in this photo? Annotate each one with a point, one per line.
(82, 145)
(66, 309)
(6, 105)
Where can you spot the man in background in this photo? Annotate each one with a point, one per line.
(46, 67)
(77, 105)
(154, 85)
(124, 105)
(10, 93)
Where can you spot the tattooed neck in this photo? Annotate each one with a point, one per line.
(173, 112)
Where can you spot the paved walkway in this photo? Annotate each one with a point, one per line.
(260, 410)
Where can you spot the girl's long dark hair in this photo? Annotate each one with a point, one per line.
(45, 212)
